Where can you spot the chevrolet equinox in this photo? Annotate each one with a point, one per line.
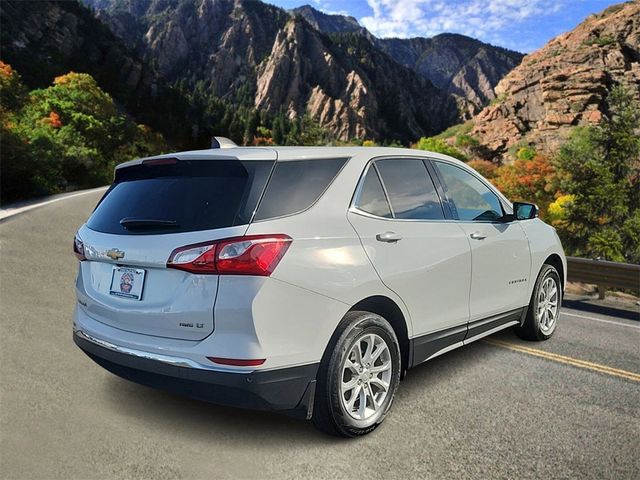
(305, 280)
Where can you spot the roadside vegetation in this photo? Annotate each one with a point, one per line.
(589, 191)
(67, 136)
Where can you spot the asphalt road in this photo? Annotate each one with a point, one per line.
(495, 409)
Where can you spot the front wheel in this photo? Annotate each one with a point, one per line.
(544, 308)
(358, 376)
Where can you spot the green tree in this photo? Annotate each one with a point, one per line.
(599, 166)
(68, 135)
(278, 130)
(311, 133)
(437, 145)
(251, 128)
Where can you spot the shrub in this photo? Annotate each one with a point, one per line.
(531, 180)
(433, 144)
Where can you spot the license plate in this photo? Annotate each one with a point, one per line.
(127, 282)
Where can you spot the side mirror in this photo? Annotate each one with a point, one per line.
(524, 211)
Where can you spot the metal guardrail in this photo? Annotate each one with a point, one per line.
(604, 274)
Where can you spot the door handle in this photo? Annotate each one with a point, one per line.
(388, 237)
(478, 236)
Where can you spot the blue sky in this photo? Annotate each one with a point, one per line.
(522, 25)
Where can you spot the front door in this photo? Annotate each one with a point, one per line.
(500, 251)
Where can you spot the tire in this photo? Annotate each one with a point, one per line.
(537, 327)
(338, 380)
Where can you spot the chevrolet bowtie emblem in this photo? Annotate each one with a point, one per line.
(115, 254)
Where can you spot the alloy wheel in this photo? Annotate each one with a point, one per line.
(366, 376)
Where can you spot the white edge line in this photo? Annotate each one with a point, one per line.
(601, 320)
(10, 212)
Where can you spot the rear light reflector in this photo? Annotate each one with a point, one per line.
(78, 248)
(250, 255)
(237, 362)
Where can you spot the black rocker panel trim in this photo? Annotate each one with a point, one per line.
(425, 346)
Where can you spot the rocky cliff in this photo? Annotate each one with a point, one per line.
(250, 52)
(459, 65)
(44, 39)
(464, 67)
(564, 84)
(327, 23)
(349, 86)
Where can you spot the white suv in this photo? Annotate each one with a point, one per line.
(305, 280)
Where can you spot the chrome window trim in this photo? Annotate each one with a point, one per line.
(357, 211)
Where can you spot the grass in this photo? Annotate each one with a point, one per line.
(600, 41)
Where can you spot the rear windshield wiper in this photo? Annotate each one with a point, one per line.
(140, 223)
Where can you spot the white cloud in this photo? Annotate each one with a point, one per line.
(487, 20)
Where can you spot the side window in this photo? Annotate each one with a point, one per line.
(371, 197)
(411, 191)
(296, 185)
(469, 198)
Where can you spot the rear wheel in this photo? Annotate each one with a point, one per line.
(358, 376)
(544, 308)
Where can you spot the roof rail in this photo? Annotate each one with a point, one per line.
(222, 142)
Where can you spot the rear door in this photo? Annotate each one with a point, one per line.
(150, 210)
(499, 250)
(417, 252)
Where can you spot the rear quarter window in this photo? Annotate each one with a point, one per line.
(296, 185)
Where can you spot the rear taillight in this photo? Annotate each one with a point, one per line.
(251, 255)
(78, 248)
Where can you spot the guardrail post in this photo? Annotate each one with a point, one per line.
(602, 290)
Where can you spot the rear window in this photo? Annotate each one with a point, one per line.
(183, 196)
(296, 185)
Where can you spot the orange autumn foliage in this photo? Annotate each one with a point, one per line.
(531, 180)
(54, 120)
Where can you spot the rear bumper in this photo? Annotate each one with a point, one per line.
(286, 390)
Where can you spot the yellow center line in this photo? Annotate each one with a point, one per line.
(596, 367)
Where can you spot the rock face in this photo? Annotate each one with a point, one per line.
(564, 84)
(307, 72)
(327, 23)
(462, 66)
(251, 52)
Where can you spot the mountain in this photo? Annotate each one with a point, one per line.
(459, 65)
(349, 86)
(258, 55)
(233, 66)
(564, 84)
(462, 66)
(328, 23)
